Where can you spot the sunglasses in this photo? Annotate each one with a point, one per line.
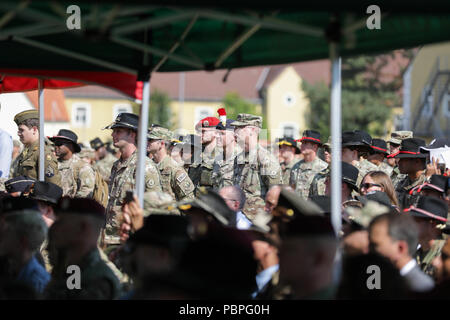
(369, 185)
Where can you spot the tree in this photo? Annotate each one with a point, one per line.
(160, 112)
(367, 97)
(234, 105)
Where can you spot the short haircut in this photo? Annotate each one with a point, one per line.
(30, 123)
(401, 227)
(238, 195)
(28, 224)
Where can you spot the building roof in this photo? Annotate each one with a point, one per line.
(54, 104)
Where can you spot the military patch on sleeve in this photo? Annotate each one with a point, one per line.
(182, 177)
(150, 183)
(49, 157)
(49, 172)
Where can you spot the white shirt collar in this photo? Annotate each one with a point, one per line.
(408, 267)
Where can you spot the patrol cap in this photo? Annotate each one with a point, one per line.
(158, 203)
(80, 206)
(294, 205)
(327, 145)
(87, 153)
(410, 148)
(228, 125)
(46, 191)
(25, 115)
(398, 136)
(164, 230)
(208, 122)
(213, 204)
(160, 133)
(379, 146)
(356, 138)
(429, 207)
(363, 216)
(245, 119)
(311, 136)
(288, 141)
(96, 143)
(18, 184)
(67, 135)
(437, 182)
(125, 120)
(13, 204)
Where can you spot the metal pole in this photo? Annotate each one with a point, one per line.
(41, 130)
(181, 99)
(142, 143)
(336, 167)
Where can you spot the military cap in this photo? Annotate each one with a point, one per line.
(96, 143)
(208, 122)
(308, 226)
(377, 196)
(311, 136)
(80, 206)
(429, 207)
(25, 115)
(213, 204)
(245, 119)
(13, 204)
(436, 182)
(363, 216)
(125, 120)
(160, 133)
(356, 138)
(158, 203)
(87, 153)
(67, 135)
(379, 146)
(19, 184)
(288, 141)
(296, 205)
(161, 229)
(324, 202)
(327, 145)
(46, 191)
(410, 148)
(398, 136)
(350, 175)
(227, 126)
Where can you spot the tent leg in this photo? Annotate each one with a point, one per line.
(336, 167)
(41, 130)
(142, 143)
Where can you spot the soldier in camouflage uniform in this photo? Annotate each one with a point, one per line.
(223, 167)
(255, 168)
(288, 148)
(105, 159)
(123, 173)
(17, 148)
(97, 281)
(431, 216)
(412, 163)
(394, 147)
(77, 176)
(304, 171)
(174, 179)
(28, 160)
(376, 157)
(200, 170)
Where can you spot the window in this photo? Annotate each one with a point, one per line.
(288, 129)
(203, 112)
(427, 110)
(289, 99)
(446, 105)
(121, 108)
(81, 115)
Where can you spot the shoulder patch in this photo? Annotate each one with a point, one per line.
(49, 157)
(49, 172)
(181, 177)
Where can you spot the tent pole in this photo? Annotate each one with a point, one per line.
(142, 143)
(336, 167)
(41, 130)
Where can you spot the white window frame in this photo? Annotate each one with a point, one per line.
(283, 125)
(292, 103)
(198, 113)
(445, 105)
(119, 106)
(76, 106)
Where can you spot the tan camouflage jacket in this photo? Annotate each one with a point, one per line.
(404, 186)
(123, 179)
(425, 258)
(303, 173)
(223, 171)
(104, 166)
(28, 164)
(255, 173)
(77, 178)
(368, 166)
(286, 170)
(201, 173)
(317, 186)
(174, 179)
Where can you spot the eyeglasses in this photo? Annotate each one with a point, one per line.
(369, 185)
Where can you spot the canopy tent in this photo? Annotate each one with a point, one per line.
(136, 39)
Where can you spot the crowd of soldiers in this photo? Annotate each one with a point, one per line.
(223, 216)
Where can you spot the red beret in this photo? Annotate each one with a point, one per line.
(208, 122)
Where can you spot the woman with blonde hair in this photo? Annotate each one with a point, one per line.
(379, 181)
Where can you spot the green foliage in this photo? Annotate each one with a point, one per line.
(234, 105)
(160, 112)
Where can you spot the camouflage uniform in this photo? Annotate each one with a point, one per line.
(97, 281)
(200, 173)
(28, 164)
(159, 203)
(404, 186)
(174, 179)
(317, 186)
(223, 171)
(286, 170)
(364, 168)
(255, 173)
(303, 173)
(368, 166)
(14, 165)
(77, 178)
(396, 176)
(123, 179)
(104, 166)
(425, 258)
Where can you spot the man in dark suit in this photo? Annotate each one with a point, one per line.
(395, 236)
